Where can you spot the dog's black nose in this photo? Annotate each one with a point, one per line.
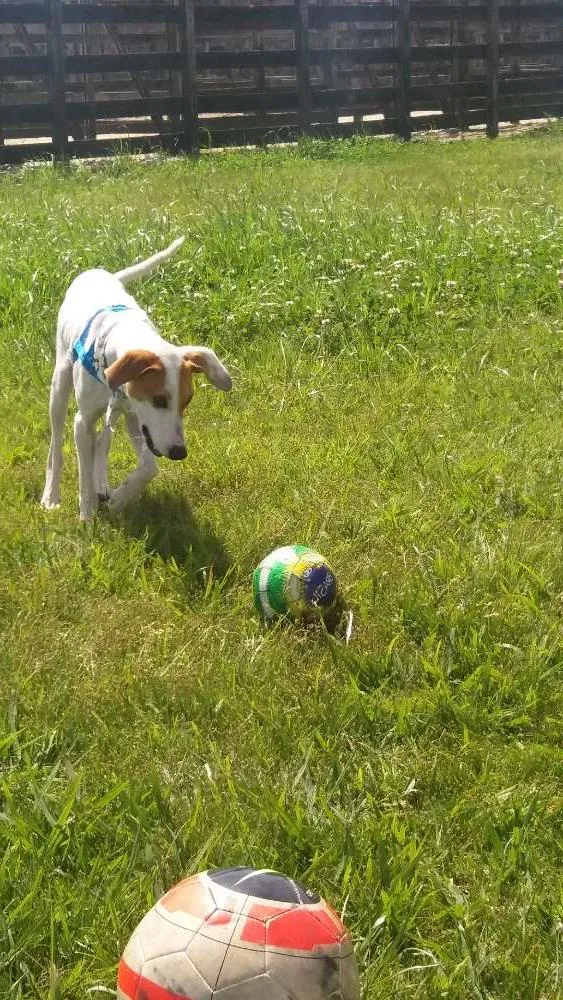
(177, 452)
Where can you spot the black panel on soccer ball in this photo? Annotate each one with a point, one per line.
(263, 885)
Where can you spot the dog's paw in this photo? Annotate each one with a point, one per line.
(117, 499)
(49, 502)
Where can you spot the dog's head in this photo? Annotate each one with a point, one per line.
(159, 389)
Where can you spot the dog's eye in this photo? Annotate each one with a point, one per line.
(160, 402)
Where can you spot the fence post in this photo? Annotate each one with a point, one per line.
(56, 54)
(303, 66)
(493, 62)
(190, 139)
(404, 74)
(174, 44)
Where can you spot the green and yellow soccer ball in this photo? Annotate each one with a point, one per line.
(297, 582)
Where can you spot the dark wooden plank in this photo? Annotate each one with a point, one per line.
(136, 107)
(215, 101)
(231, 19)
(274, 121)
(539, 12)
(25, 114)
(548, 100)
(130, 62)
(190, 142)
(30, 151)
(447, 12)
(242, 136)
(130, 13)
(437, 53)
(142, 144)
(323, 17)
(76, 111)
(24, 65)
(56, 56)
(531, 85)
(257, 136)
(363, 56)
(248, 59)
(25, 13)
(521, 112)
(403, 45)
(303, 59)
(493, 64)
(252, 59)
(548, 47)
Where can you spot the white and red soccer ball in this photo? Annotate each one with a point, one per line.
(239, 934)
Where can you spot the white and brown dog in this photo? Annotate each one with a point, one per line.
(119, 364)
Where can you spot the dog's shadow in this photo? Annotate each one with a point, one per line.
(169, 528)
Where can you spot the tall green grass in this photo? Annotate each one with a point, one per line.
(392, 320)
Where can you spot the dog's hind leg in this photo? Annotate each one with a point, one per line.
(61, 388)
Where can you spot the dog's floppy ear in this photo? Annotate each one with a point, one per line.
(132, 365)
(203, 359)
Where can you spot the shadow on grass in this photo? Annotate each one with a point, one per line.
(169, 527)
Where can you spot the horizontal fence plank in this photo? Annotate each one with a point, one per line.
(524, 12)
(136, 107)
(531, 12)
(532, 85)
(548, 47)
(246, 18)
(223, 19)
(24, 13)
(547, 100)
(546, 91)
(26, 114)
(323, 17)
(524, 112)
(129, 13)
(435, 53)
(23, 65)
(247, 59)
(244, 135)
(446, 12)
(221, 101)
(124, 62)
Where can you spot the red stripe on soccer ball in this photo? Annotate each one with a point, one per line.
(300, 930)
(189, 896)
(220, 917)
(261, 912)
(136, 986)
(254, 931)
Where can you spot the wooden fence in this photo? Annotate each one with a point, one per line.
(201, 87)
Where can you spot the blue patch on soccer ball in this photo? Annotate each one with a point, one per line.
(320, 586)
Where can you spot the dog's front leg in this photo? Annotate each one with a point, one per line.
(85, 440)
(61, 388)
(146, 470)
(103, 444)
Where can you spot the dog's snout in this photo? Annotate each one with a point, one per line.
(177, 452)
(149, 440)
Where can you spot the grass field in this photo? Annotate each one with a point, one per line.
(393, 324)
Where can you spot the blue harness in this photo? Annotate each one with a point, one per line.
(86, 352)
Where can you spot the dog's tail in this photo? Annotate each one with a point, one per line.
(146, 267)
